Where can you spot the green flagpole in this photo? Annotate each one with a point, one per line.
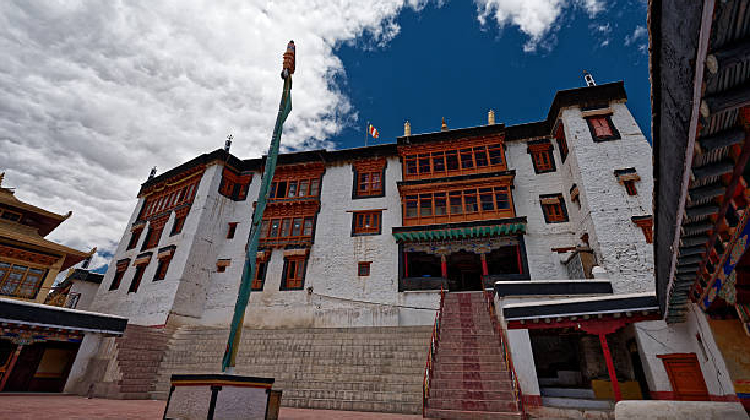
(248, 272)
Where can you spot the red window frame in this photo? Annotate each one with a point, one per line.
(161, 268)
(307, 187)
(260, 275)
(222, 264)
(554, 213)
(366, 222)
(602, 128)
(630, 187)
(170, 198)
(231, 230)
(134, 237)
(284, 229)
(369, 183)
(137, 278)
(448, 160)
(363, 268)
(465, 203)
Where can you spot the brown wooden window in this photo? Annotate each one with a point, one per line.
(222, 264)
(553, 207)
(293, 277)
(366, 223)
(562, 144)
(575, 196)
(369, 183)
(179, 223)
(601, 128)
(232, 230)
(260, 275)
(541, 155)
(10, 216)
(234, 185)
(464, 204)
(291, 189)
(363, 268)
(20, 280)
(287, 229)
(134, 236)
(170, 198)
(122, 266)
(139, 269)
(152, 237)
(161, 268)
(628, 177)
(630, 187)
(646, 223)
(472, 158)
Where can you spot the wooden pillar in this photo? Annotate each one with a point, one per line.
(610, 367)
(13, 360)
(443, 266)
(406, 265)
(485, 270)
(518, 258)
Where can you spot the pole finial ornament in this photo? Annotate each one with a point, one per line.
(228, 142)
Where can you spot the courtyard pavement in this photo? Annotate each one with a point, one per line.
(66, 407)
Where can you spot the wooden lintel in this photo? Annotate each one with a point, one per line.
(713, 169)
(707, 191)
(725, 101)
(722, 139)
(724, 57)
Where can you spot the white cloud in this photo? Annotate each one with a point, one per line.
(640, 32)
(604, 43)
(535, 18)
(95, 93)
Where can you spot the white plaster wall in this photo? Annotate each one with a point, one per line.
(88, 292)
(540, 236)
(523, 361)
(657, 338)
(86, 352)
(619, 245)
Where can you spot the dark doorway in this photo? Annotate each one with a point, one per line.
(42, 367)
(464, 272)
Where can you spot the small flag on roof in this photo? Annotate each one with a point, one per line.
(373, 132)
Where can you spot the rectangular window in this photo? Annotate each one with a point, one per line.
(424, 164)
(486, 199)
(496, 154)
(308, 226)
(122, 267)
(294, 272)
(161, 269)
(480, 156)
(134, 236)
(369, 183)
(222, 264)
(139, 269)
(451, 160)
(601, 128)
(232, 230)
(304, 187)
(297, 227)
(411, 206)
(363, 268)
(20, 280)
(260, 276)
(179, 222)
(286, 227)
(440, 206)
(366, 223)
(411, 165)
(10, 216)
(630, 187)
(470, 201)
(274, 229)
(467, 159)
(438, 161)
(456, 203)
(314, 187)
(425, 205)
(553, 207)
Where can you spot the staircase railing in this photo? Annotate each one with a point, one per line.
(434, 340)
(505, 348)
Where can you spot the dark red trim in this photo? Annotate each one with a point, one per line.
(590, 325)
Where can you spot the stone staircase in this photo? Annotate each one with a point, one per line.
(470, 378)
(139, 355)
(354, 369)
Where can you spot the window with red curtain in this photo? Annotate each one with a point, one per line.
(601, 128)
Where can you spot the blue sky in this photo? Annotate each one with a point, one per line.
(444, 63)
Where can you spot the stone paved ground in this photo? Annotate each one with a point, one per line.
(69, 407)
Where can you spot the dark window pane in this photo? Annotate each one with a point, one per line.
(496, 154)
(424, 164)
(314, 187)
(308, 226)
(480, 156)
(274, 229)
(440, 209)
(467, 161)
(485, 198)
(451, 159)
(411, 165)
(456, 203)
(303, 186)
(411, 208)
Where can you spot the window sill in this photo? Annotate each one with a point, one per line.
(360, 197)
(367, 234)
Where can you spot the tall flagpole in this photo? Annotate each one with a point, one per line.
(248, 272)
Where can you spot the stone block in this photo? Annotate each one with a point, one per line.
(677, 410)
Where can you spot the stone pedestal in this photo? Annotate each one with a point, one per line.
(219, 396)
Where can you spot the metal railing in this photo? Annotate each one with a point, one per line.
(434, 340)
(505, 348)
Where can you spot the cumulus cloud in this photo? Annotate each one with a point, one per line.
(95, 93)
(535, 18)
(638, 34)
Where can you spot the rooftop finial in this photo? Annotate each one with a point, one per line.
(491, 117)
(228, 142)
(153, 173)
(589, 78)
(2, 175)
(407, 128)
(443, 125)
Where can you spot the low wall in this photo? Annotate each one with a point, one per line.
(667, 410)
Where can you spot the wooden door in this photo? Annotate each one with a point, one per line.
(685, 376)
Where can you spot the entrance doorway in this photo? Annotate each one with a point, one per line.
(464, 272)
(686, 377)
(41, 367)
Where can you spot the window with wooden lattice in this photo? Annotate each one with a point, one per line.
(134, 236)
(453, 158)
(154, 233)
(368, 178)
(293, 277)
(179, 220)
(22, 281)
(363, 268)
(602, 128)
(261, 266)
(553, 208)
(541, 155)
(235, 185)
(366, 223)
(161, 269)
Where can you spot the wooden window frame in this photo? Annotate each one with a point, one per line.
(235, 186)
(553, 208)
(298, 193)
(261, 269)
(135, 236)
(267, 227)
(359, 218)
(363, 268)
(562, 143)
(120, 269)
(628, 177)
(162, 267)
(222, 264)
(140, 269)
(171, 197)
(646, 223)
(432, 160)
(471, 197)
(607, 119)
(16, 218)
(368, 169)
(231, 230)
(13, 268)
(542, 155)
(298, 281)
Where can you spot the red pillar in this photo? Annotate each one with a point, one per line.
(518, 258)
(13, 360)
(610, 367)
(485, 270)
(443, 267)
